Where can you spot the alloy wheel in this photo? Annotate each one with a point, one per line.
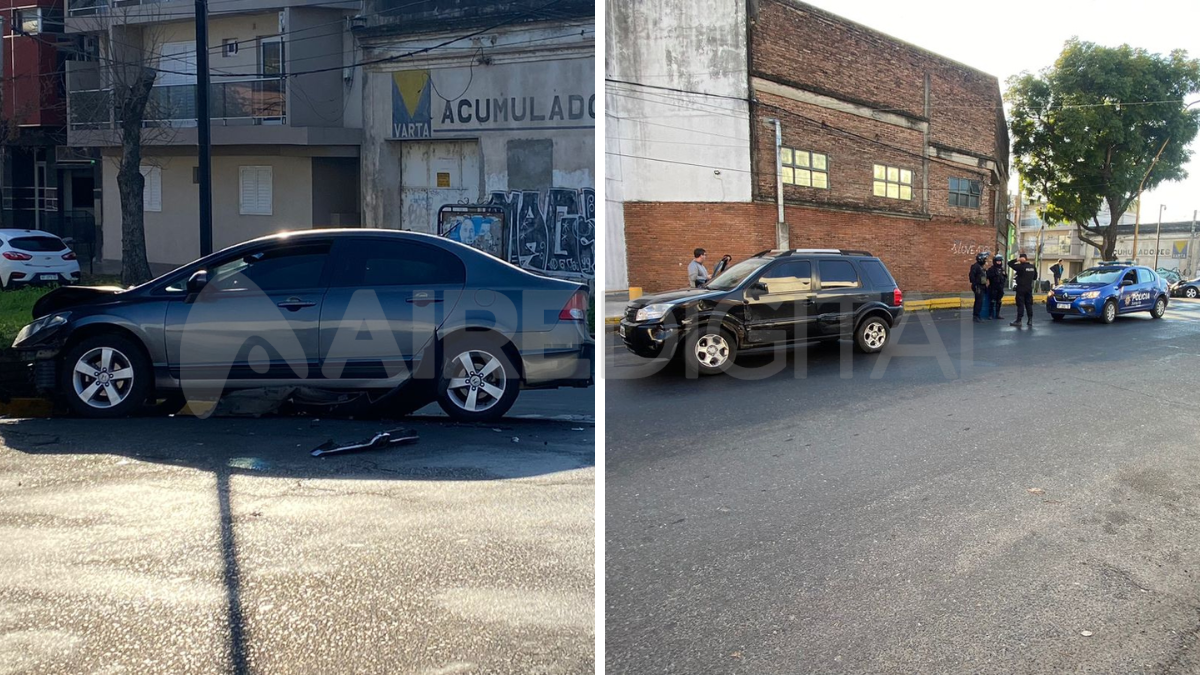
(477, 380)
(1191, 292)
(712, 350)
(103, 377)
(875, 335)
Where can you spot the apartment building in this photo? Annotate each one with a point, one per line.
(45, 185)
(285, 102)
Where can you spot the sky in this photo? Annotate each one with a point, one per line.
(1007, 38)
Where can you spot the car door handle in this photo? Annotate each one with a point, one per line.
(295, 304)
(421, 302)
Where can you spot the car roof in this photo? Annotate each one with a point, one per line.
(22, 233)
(838, 252)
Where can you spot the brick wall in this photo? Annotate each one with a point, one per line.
(923, 255)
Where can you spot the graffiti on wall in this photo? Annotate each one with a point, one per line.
(550, 232)
(478, 226)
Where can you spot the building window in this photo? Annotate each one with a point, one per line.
(892, 182)
(804, 168)
(965, 192)
(29, 21)
(270, 56)
(229, 47)
(152, 188)
(255, 191)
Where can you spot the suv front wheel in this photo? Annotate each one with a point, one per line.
(709, 351)
(872, 335)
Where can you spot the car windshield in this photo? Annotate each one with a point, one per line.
(1099, 275)
(38, 244)
(736, 274)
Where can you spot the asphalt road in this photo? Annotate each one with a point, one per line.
(1028, 503)
(216, 546)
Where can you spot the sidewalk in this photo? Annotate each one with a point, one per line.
(615, 301)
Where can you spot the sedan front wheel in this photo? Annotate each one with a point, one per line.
(105, 376)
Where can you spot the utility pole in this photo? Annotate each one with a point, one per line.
(1158, 234)
(1191, 247)
(204, 128)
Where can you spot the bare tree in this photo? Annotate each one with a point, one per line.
(125, 110)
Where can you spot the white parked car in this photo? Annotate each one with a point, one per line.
(31, 257)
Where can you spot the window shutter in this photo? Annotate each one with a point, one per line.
(256, 191)
(152, 190)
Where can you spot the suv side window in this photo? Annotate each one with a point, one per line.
(394, 262)
(275, 268)
(792, 276)
(1145, 276)
(877, 274)
(838, 274)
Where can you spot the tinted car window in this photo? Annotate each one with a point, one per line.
(838, 274)
(273, 269)
(366, 262)
(38, 244)
(877, 274)
(1130, 276)
(1145, 276)
(788, 277)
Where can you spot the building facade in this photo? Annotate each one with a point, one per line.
(44, 184)
(487, 139)
(285, 101)
(873, 144)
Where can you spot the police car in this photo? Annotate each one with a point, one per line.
(1108, 290)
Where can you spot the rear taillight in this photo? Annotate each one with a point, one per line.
(69, 255)
(13, 255)
(576, 309)
(897, 298)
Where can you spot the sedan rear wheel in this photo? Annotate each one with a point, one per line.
(1160, 308)
(1191, 292)
(478, 381)
(105, 376)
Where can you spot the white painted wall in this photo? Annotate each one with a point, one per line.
(673, 146)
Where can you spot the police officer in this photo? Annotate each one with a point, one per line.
(997, 280)
(1024, 274)
(977, 277)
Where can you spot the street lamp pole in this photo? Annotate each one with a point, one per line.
(1158, 234)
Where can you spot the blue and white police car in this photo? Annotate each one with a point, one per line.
(1108, 290)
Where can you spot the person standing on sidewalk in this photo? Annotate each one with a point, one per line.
(986, 312)
(697, 275)
(1057, 270)
(976, 277)
(997, 280)
(1024, 274)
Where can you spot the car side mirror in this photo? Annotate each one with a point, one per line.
(1126, 282)
(196, 283)
(757, 288)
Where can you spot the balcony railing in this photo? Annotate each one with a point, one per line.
(257, 101)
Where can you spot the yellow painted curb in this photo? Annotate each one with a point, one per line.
(27, 407)
(612, 320)
(946, 303)
(196, 408)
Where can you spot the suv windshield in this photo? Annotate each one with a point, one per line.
(1099, 275)
(735, 275)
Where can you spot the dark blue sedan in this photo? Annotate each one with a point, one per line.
(1109, 290)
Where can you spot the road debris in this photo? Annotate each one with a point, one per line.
(383, 439)
(1036, 491)
(1085, 633)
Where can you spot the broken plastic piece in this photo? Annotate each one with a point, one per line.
(383, 439)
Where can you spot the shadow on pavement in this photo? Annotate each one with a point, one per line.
(280, 447)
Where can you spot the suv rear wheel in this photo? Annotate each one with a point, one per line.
(105, 376)
(872, 335)
(708, 351)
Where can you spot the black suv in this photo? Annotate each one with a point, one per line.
(775, 298)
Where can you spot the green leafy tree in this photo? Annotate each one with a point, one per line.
(1090, 129)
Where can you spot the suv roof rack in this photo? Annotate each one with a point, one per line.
(803, 251)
